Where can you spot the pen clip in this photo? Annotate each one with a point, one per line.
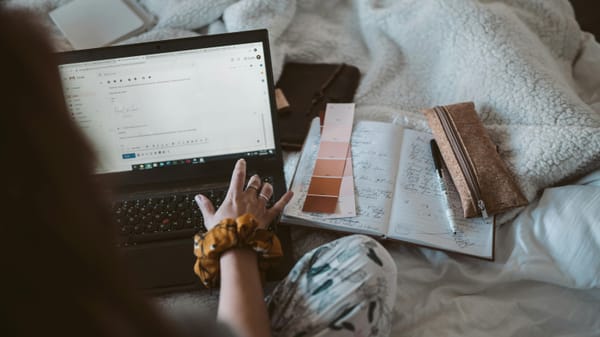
(437, 156)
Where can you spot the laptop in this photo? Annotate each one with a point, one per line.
(168, 120)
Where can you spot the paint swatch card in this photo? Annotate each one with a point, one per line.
(331, 188)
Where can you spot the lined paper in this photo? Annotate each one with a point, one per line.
(418, 213)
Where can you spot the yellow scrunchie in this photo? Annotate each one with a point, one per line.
(242, 232)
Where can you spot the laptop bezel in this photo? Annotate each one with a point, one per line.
(209, 170)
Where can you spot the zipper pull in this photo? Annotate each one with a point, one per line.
(484, 213)
(481, 206)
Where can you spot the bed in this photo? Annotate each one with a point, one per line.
(534, 76)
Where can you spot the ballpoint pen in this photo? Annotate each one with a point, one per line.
(437, 161)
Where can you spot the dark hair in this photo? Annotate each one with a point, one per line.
(60, 268)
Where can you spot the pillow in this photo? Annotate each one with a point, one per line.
(557, 238)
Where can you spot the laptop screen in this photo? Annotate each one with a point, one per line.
(174, 108)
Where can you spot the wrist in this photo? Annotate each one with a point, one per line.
(239, 265)
(239, 256)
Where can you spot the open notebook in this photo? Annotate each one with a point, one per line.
(397, 194)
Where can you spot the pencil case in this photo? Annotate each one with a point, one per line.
(483, 180)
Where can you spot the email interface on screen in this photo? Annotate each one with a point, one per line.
(175, 108)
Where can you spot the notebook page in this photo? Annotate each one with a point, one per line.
(418, 215)
(374, 164)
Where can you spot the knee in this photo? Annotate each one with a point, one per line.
(375, 252)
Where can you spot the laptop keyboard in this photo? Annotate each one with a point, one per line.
(153, 219)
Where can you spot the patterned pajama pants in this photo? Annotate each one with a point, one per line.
(344, 288)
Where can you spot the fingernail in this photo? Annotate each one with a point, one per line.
(242, 161)
(290, 195)
(198, 198)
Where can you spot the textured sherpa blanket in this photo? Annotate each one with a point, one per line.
(515, 59)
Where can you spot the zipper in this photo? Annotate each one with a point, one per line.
(465, 164)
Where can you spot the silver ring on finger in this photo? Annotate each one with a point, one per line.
(264, 197)
(254, 183)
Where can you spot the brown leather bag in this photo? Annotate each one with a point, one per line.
(483, 181)
(308, 87)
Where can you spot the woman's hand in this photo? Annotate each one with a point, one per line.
(241, 199)
(241, 303)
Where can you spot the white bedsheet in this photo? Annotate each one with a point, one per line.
(536, 79)
(544, 281)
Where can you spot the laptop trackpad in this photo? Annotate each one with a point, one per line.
(161, 265)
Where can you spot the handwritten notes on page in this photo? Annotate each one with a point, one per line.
(397, 193)
(418, 215)
(374, 167)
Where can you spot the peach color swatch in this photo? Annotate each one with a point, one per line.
(330, 168)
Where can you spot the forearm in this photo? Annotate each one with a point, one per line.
(241, 303)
